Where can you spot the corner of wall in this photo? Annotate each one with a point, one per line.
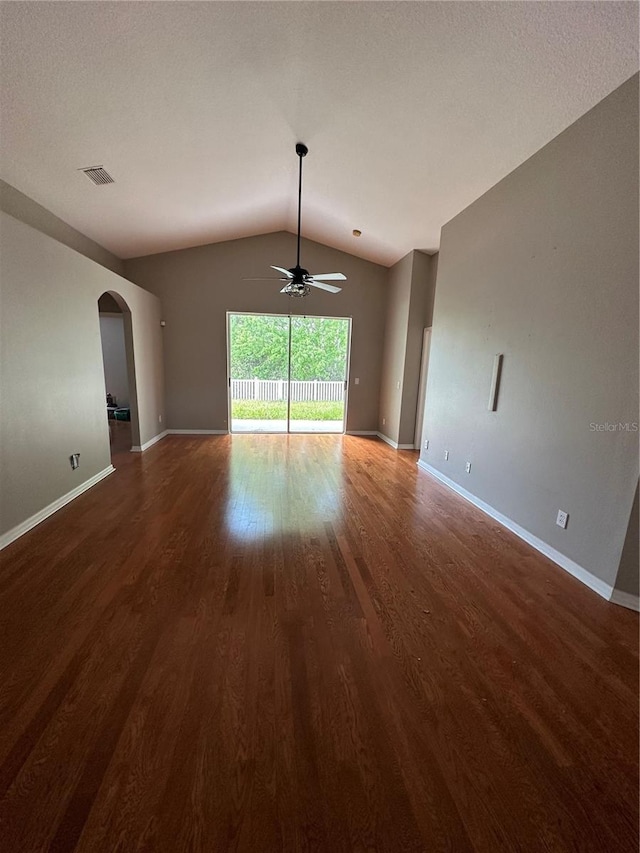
(28, 211)
(627, 580)
(522, 272)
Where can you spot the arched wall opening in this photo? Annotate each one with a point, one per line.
(121, 398)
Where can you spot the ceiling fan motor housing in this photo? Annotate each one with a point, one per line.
(299, 274)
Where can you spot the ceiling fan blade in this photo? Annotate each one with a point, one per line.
(330, 276)
(283, 271)
(272, 278)
(329, 287)
(285, 289)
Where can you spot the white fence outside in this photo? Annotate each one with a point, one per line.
(276, 389)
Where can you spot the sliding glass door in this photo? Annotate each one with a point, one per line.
(318, 374)
(258, 349)
(287, 373)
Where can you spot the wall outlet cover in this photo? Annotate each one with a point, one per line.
(562, 519)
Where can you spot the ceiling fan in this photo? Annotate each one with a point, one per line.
(299, 281)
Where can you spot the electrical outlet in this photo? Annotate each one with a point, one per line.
(384, 420)
(357, 380)
(159, 419)
(562, 519)
(446, 454)
(398, 384)
(426, 444)
(467, 467)
(74, 461)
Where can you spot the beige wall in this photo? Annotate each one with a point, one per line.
(20, 206)
(52, 390)
(410, 295)
(544, 268)
(198, 286)
(423, 283)
(395, 344)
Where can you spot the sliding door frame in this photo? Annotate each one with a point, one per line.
(290, 317)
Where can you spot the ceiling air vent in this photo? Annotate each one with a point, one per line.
(98, 175)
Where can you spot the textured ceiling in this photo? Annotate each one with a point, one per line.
(410, 111)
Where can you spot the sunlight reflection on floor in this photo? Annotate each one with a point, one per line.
(268, 495)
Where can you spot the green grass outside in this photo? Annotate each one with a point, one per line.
(257, 410)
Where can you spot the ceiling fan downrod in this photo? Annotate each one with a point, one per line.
(297, 280)
(301, 151)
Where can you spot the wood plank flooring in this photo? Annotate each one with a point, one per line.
(305, 643)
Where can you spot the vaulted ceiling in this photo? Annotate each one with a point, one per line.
(410, 111)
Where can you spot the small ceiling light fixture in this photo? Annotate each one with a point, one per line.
(357, 232)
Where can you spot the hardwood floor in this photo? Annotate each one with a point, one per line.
(119, 437)
(292, 643)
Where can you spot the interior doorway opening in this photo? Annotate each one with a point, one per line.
(116, 337)
(287, 373)
(418, 438)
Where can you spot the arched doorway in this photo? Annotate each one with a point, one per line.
(121, 404)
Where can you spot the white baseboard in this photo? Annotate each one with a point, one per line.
(590, 580)
(393, 443)
(387, 440)
(156, 438)
(20, 529)
(198, 431)
(625, 599)
(361, 432)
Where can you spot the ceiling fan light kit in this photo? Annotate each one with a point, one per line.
(299, 281)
